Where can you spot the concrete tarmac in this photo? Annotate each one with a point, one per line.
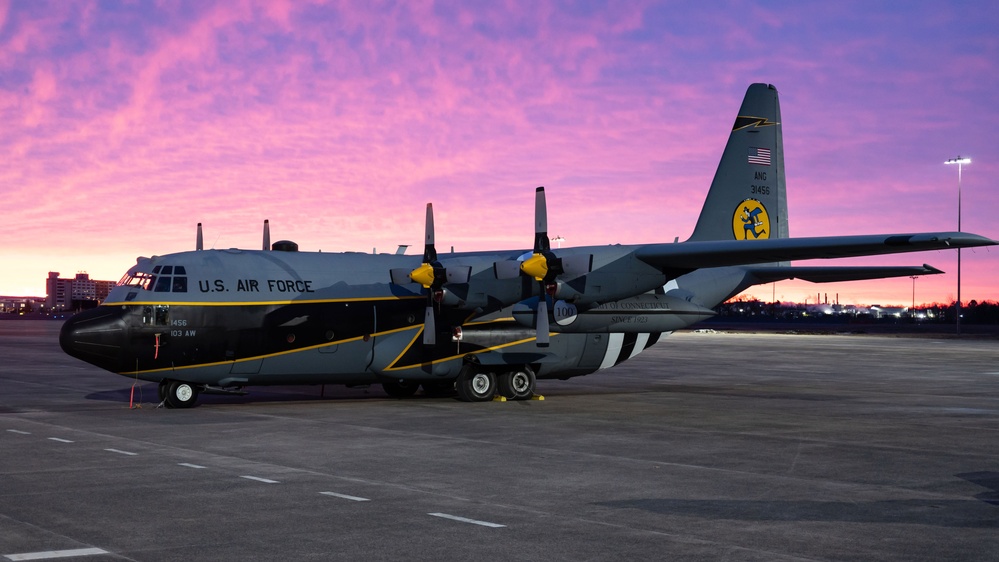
(710, 446)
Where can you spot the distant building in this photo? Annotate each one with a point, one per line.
(20, 305)
(72, 294)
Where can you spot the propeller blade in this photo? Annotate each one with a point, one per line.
(267, 235)
(542, 321)
(429, 251)
(541, 243)
(429, 326)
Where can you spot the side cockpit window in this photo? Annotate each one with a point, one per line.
(140, 280)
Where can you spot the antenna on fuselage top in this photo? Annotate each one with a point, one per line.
(267, 235)
(200, 244)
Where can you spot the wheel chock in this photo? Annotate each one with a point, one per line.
(537, 397)
(499, 398)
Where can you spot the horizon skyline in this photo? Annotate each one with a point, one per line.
(338, 123)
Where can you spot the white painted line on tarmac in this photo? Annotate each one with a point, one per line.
(120, 452)
(258, 479)
(56, 554)
(189, 465)
(60, 440)
(465, 520)
(345, 496)
(19, 432)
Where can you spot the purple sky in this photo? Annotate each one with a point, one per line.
(123, 124)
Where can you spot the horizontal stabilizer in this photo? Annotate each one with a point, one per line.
(832, 274)
(721, 253)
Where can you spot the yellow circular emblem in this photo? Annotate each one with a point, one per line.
(751, 221)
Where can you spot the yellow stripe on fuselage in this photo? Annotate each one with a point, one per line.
(255, 303)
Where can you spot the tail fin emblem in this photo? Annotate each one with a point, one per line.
(751, 218)
(744, 121)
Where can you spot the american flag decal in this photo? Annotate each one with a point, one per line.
(759, 156)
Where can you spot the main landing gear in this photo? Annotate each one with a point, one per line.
(178, 394)
(475, 384)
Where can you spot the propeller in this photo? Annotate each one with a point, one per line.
(544, 266)
(432, 275)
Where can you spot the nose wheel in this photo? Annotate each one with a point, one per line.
(178, 394)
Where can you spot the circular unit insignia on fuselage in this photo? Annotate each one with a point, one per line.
(750, 221)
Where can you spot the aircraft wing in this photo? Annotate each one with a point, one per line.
(721, 253)
(832, 274)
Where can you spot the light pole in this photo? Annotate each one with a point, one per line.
(960, 163)
(912, 311)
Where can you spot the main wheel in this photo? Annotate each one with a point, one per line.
(474, 385)
(400, 388)
(181, 394)
(516, 385)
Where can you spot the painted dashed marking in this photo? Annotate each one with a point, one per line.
(258, 479)
(48, 555)
(19, 432)
(60, 440)
(189, 465)
(466, 520)
(345, 496)
(120, 452)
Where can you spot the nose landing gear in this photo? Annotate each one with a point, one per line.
(178, 394)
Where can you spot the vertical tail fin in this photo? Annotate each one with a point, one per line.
(748, 197)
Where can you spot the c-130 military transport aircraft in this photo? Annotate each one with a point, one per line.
(481, 323)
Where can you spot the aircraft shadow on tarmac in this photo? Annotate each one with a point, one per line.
(985, 479)
(146, 393)
(981, 513)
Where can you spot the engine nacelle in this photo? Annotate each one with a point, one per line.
(640, 314)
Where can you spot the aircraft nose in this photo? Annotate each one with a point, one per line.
(95, 336)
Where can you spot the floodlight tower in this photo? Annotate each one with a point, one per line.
(960, 163)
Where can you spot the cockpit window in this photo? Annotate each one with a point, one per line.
(141, 280)
(162, 284)
(160, 281)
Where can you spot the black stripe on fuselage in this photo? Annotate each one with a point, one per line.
(653, 339)
(627, 347)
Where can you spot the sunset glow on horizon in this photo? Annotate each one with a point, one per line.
(127, 123)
